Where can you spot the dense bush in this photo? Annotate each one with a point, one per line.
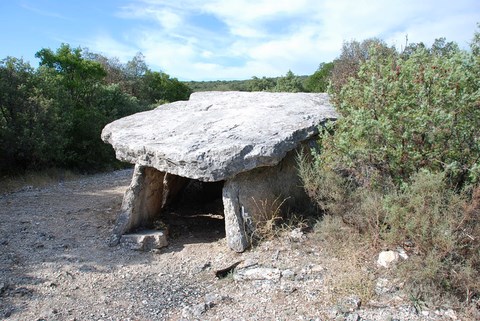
(401, 114)
(318, 82)
(289, 83)
(352, 55)
(402, 163)
(52, 116)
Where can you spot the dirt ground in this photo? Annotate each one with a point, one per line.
(55, 264)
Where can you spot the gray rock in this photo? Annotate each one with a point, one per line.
(288, 274)
(194, 311)
(3, 287)
(258, 273)
(149, 192)
(353, 317)
(350, 304)
(387, 258)
(297, 234)
(246, 140)
(385, 286)
(213, 299)
(216, 135)
(254, 197)
(145, 240)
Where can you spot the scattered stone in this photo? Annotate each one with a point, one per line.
(387, 258)
(275, 256)
(201, 268)
(213, 299)
(350, 304)
(402, 253)
(248, 263)
(288, 274)
(3, 287)
(451, 314)
(297, 234)
(22, 291)
(353, 317)
(317, 268)
(146, 240)
(259, 273)
(8, 312)
(384, 286)
(195, 310)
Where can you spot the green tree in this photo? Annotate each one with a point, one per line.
(261, 84)
(289, 83)
(135, 70)
(114, 68)
(53, 116)
(158, 87)
(82, 104)
(17, 112)
(79, 75)
(318, 82)
(30, 129)
(402, 114)
(352, 55)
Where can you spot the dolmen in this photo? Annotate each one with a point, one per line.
(246, 140)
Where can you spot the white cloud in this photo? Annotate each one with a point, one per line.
(42, 12)
(107, 45)
(244, 38)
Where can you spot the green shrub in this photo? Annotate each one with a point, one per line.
(401, 164)
(402, 114)
(318, 82)
(443, 227)
(52, 116)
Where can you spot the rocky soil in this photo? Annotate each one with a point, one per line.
(55, 264)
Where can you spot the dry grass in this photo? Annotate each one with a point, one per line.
(348, 270)
(441, 226)
(267, 218)
(35, 179)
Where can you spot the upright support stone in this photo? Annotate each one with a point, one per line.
(235, 223)
(149, 192)
(141, 202)
(253, 197)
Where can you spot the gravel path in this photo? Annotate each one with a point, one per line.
(55, 264)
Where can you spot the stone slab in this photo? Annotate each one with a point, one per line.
(216, 135)
(145, 240)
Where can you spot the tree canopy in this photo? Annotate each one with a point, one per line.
(52, 116)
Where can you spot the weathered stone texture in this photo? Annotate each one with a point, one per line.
(246, 139)
(149, 192)
(216, 135)
(252, 197)
(145, 240)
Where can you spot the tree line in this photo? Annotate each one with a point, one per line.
(52, 116)
(289, 83)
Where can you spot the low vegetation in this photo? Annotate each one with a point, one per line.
(52, 116)
(401, 166)
(288, 83)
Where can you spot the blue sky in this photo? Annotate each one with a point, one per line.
(228, 39)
